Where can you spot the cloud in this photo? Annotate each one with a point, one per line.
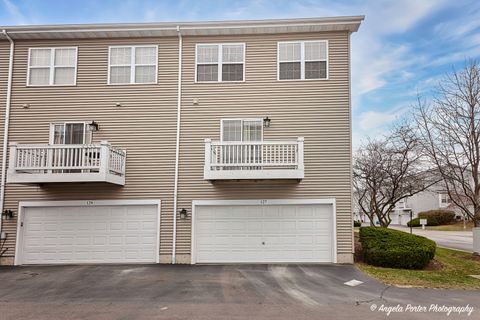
(16, 17)
(373, 119)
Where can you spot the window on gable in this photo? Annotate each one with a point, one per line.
(302, 60)
(444, 200)
(220, 62)
(133, 64)
(52, 66)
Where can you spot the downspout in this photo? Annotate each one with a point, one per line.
(177, 147)
(7, 123)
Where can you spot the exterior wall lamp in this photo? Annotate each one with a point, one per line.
(183, 214)
(8, 214)
(93, 126)
(266, 122)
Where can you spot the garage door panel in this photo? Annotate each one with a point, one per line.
(251, 234)
(92, 234)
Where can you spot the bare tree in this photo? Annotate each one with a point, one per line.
(386, 171)
(449, 130)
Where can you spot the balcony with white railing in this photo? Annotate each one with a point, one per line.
(253, 160)
(44, 163)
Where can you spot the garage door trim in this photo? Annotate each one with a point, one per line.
(83, 203)
(264, 202)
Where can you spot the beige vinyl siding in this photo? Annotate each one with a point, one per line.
(144, 125)
(318, 110)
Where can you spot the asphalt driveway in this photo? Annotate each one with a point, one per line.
(212, 292)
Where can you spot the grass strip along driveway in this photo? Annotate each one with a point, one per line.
(450, 269)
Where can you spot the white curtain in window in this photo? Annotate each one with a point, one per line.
(121, 56)
(145, 55)
(65, 57)
(207, 54)
(232, 130)
(315, 51)
(64, 75)
(39, 76)
(289, 51)
(232, 53)
(120, 74)
(40, 57)
(252, 130)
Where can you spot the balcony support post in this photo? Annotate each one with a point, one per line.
(104, 158)
(300, 160)
(208, 157)
(12, 160)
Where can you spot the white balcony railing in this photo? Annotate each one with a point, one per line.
(42, 163)
(254, 160)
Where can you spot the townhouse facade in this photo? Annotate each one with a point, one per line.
(202, 142)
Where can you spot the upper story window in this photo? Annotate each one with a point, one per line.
(444, 200)
(303, 60)
(220, 62)
(132, 64)
(52, 66)
(402, 204)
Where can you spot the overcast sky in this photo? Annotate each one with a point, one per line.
(403, 47)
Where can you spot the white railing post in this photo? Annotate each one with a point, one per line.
(104, 158)
(12, 160)
(300, 143)
(208, 157)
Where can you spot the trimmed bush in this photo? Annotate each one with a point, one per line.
(437, 217)
(414, 223)
(357, 223)
(395, 249)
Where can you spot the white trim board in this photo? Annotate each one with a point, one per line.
(76, 203)
(265, 202)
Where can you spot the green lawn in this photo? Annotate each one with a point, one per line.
(456, 266)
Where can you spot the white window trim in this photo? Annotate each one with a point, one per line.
(51, 67)
(302, 60)
(242, 119)
(440, 204)
(132, 64)
(87, 137)
(220, 61)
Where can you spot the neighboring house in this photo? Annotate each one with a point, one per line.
(434, 198)
(208, 142)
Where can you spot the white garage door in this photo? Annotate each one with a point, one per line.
(89, 234)
(264, 233)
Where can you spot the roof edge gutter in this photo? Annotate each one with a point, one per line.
(177, 146)
(7, 124)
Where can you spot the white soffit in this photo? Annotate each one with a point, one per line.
(91, 31)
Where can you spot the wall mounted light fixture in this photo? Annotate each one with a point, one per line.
(266, 122)
(93, 126)
(183, 214)
(8, 214)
